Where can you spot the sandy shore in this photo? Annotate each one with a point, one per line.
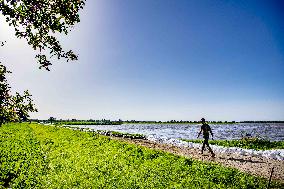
(258, 166)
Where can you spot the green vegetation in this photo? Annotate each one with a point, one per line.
(53, 120)
(87, 123)
(120, 134)
(106, 132)
(38, 156)
(22, 160)
(118, 122)
(13, 107)
(40, 22)
(262, 122)
(248, 143)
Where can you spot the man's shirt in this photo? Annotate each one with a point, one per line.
(205, 129)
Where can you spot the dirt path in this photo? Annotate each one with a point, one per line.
(252, 165)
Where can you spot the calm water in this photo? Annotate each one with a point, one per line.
(271, 131)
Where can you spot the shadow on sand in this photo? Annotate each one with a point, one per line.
(241, 160)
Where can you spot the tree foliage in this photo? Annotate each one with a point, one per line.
(37, 21)
(52, 119)
(13, 107)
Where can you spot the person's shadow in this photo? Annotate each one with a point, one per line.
(242, 160)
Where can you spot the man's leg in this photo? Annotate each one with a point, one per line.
(210, 150)
(203, 147)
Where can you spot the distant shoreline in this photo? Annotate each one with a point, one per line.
(120, 122)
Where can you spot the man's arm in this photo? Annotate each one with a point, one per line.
(211, 132)
(199, 132)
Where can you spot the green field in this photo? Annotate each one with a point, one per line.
(37, 156)
(252, 143)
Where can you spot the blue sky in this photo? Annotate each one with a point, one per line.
(161, 60)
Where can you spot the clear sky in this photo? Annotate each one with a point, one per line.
(161, 60)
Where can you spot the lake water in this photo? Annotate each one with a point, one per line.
(271, 131)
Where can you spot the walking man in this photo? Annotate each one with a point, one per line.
(205, 129)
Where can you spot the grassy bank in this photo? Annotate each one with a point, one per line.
(37, 156)
(253, 143)
(86, 123)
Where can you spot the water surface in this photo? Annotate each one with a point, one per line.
(271, 131)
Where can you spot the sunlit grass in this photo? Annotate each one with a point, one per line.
(37, 156)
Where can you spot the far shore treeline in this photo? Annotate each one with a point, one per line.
(53, 120)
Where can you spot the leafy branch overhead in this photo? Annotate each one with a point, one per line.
(37, 21)
(13, 107)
